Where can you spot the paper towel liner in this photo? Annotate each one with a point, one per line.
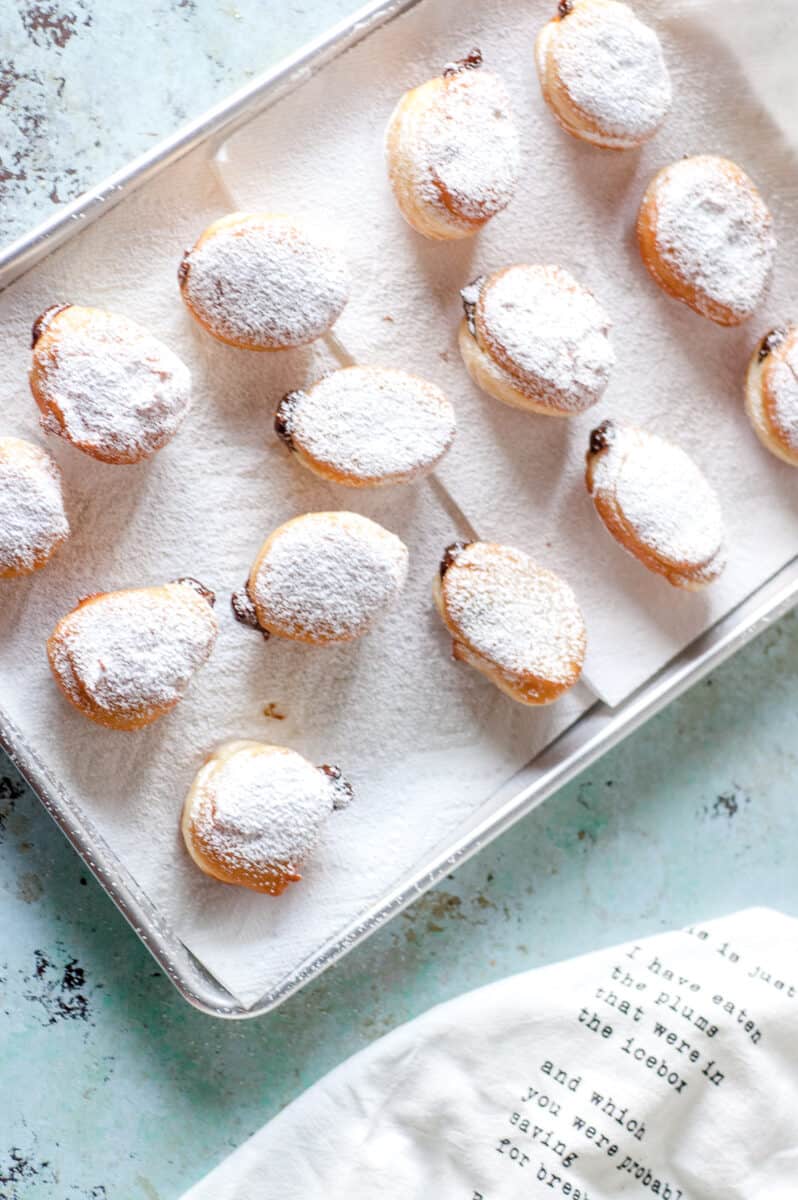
(519, 477)
(404, 721)
(424, 741)
(666, 1068)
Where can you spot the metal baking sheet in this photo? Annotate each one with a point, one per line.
(598, 730)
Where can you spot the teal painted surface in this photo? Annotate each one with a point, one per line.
(112, 1087)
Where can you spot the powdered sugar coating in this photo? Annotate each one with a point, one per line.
(524, 619)
(108, 385)
(548, 332)
(265, 282)
(254, 807)
(327, 576)
(33, 522)
(371, 424)
(782, 390)
(133, 653)
(713, 231)
(463, 146)
(613, 69)
(663, 497)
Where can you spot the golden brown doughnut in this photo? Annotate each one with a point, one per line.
(323, 578)
(255, 812)
(705, 237)
(124, 659)
(602, 73)
(535, 339)
(771, 393)
(33, 521)
(261, 281)
(656, 502)
(453, 152)
(105, 384)
(367, 426)
(517, 623)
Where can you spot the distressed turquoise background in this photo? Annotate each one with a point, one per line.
(111, 1086)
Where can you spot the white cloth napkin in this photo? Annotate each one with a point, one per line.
(666, 1068)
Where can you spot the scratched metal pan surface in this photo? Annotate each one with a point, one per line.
(595, 732)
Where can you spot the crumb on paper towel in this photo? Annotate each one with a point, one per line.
(271, 711)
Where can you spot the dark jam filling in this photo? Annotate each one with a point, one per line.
(771, 342)
(282, 418)
(182, 270)
(450, 555)
(244, 611)
(343, 788)
(470, 296)
(199, 588)
(601, 437)
(564, 8)
(471, 62)
(43, 320)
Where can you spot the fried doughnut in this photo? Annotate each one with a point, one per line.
(602, 73)
(518, 624)
(705, 236)
(655, 501)
(261, 281)
(124, 659)
(367, 426)
(255, 812)
(771, 393)
(321, 578)
(453, 152)
(105, 384)
(33, 522)
(535, 339)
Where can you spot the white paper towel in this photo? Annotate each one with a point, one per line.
(519, 477)
(663, 1069)
(425, 741)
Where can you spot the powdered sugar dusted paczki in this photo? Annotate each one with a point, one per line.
(713, 231)
(782, 386)
(264, 282)
(105, 383)
(33, 520)
(612, 69)
(548, 333)
(327, 577)
(130, 655)
(368, 425)
(257, 811)
(662, 498)
(453, 144)
(521, 617)
(771, 392)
